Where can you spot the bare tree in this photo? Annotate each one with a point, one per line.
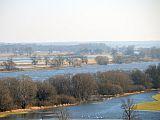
(77, 62)
(27, 90)
(60, 60)
(69, 60)
(57, 61)
(5, 97)
(9, 64)
(84, 59)
(83, 86)
(34, 60)
(62, 114)
(46, 60)
(129, 110)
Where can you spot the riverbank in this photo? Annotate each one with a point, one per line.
(102, 97)
(151, 106)
(25, 67)
(130, 93)
(41, 68)
(31, 109)
(35, 108)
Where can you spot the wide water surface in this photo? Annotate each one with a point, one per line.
(44, 74)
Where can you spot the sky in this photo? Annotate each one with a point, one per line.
(79, 20)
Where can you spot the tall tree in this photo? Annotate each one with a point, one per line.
(46, 60)
(129, 112)
(116, 78)
(45, 92)
(83, 86)
(140, 78)
(154, 73)
(11, 83)
(27, 91)
(62, 113)
(62, 84)
(5, 97)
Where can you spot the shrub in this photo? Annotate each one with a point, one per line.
(102, 60)
(64, 99)
(133, 88)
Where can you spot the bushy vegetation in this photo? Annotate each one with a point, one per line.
(22, 92)
(9, 65)
(102, 60)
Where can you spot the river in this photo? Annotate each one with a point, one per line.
(44, 74)
(107, 109)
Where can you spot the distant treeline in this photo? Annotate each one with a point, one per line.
(92, 48)
(87, 48)
(22, 92)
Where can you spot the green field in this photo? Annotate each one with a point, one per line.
(153, 106)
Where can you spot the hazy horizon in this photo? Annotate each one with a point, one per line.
(37, 21)
(90, 41)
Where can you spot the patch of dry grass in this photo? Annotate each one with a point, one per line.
(153, 106)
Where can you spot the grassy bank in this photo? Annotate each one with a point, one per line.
(152, 106)
(5, 114)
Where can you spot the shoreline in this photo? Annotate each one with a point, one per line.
(31, 109)
(42, 68)
(151, 105)
(35, 108)
(126, 94)
(39, 68)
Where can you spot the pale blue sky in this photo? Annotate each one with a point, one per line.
(79, 20)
